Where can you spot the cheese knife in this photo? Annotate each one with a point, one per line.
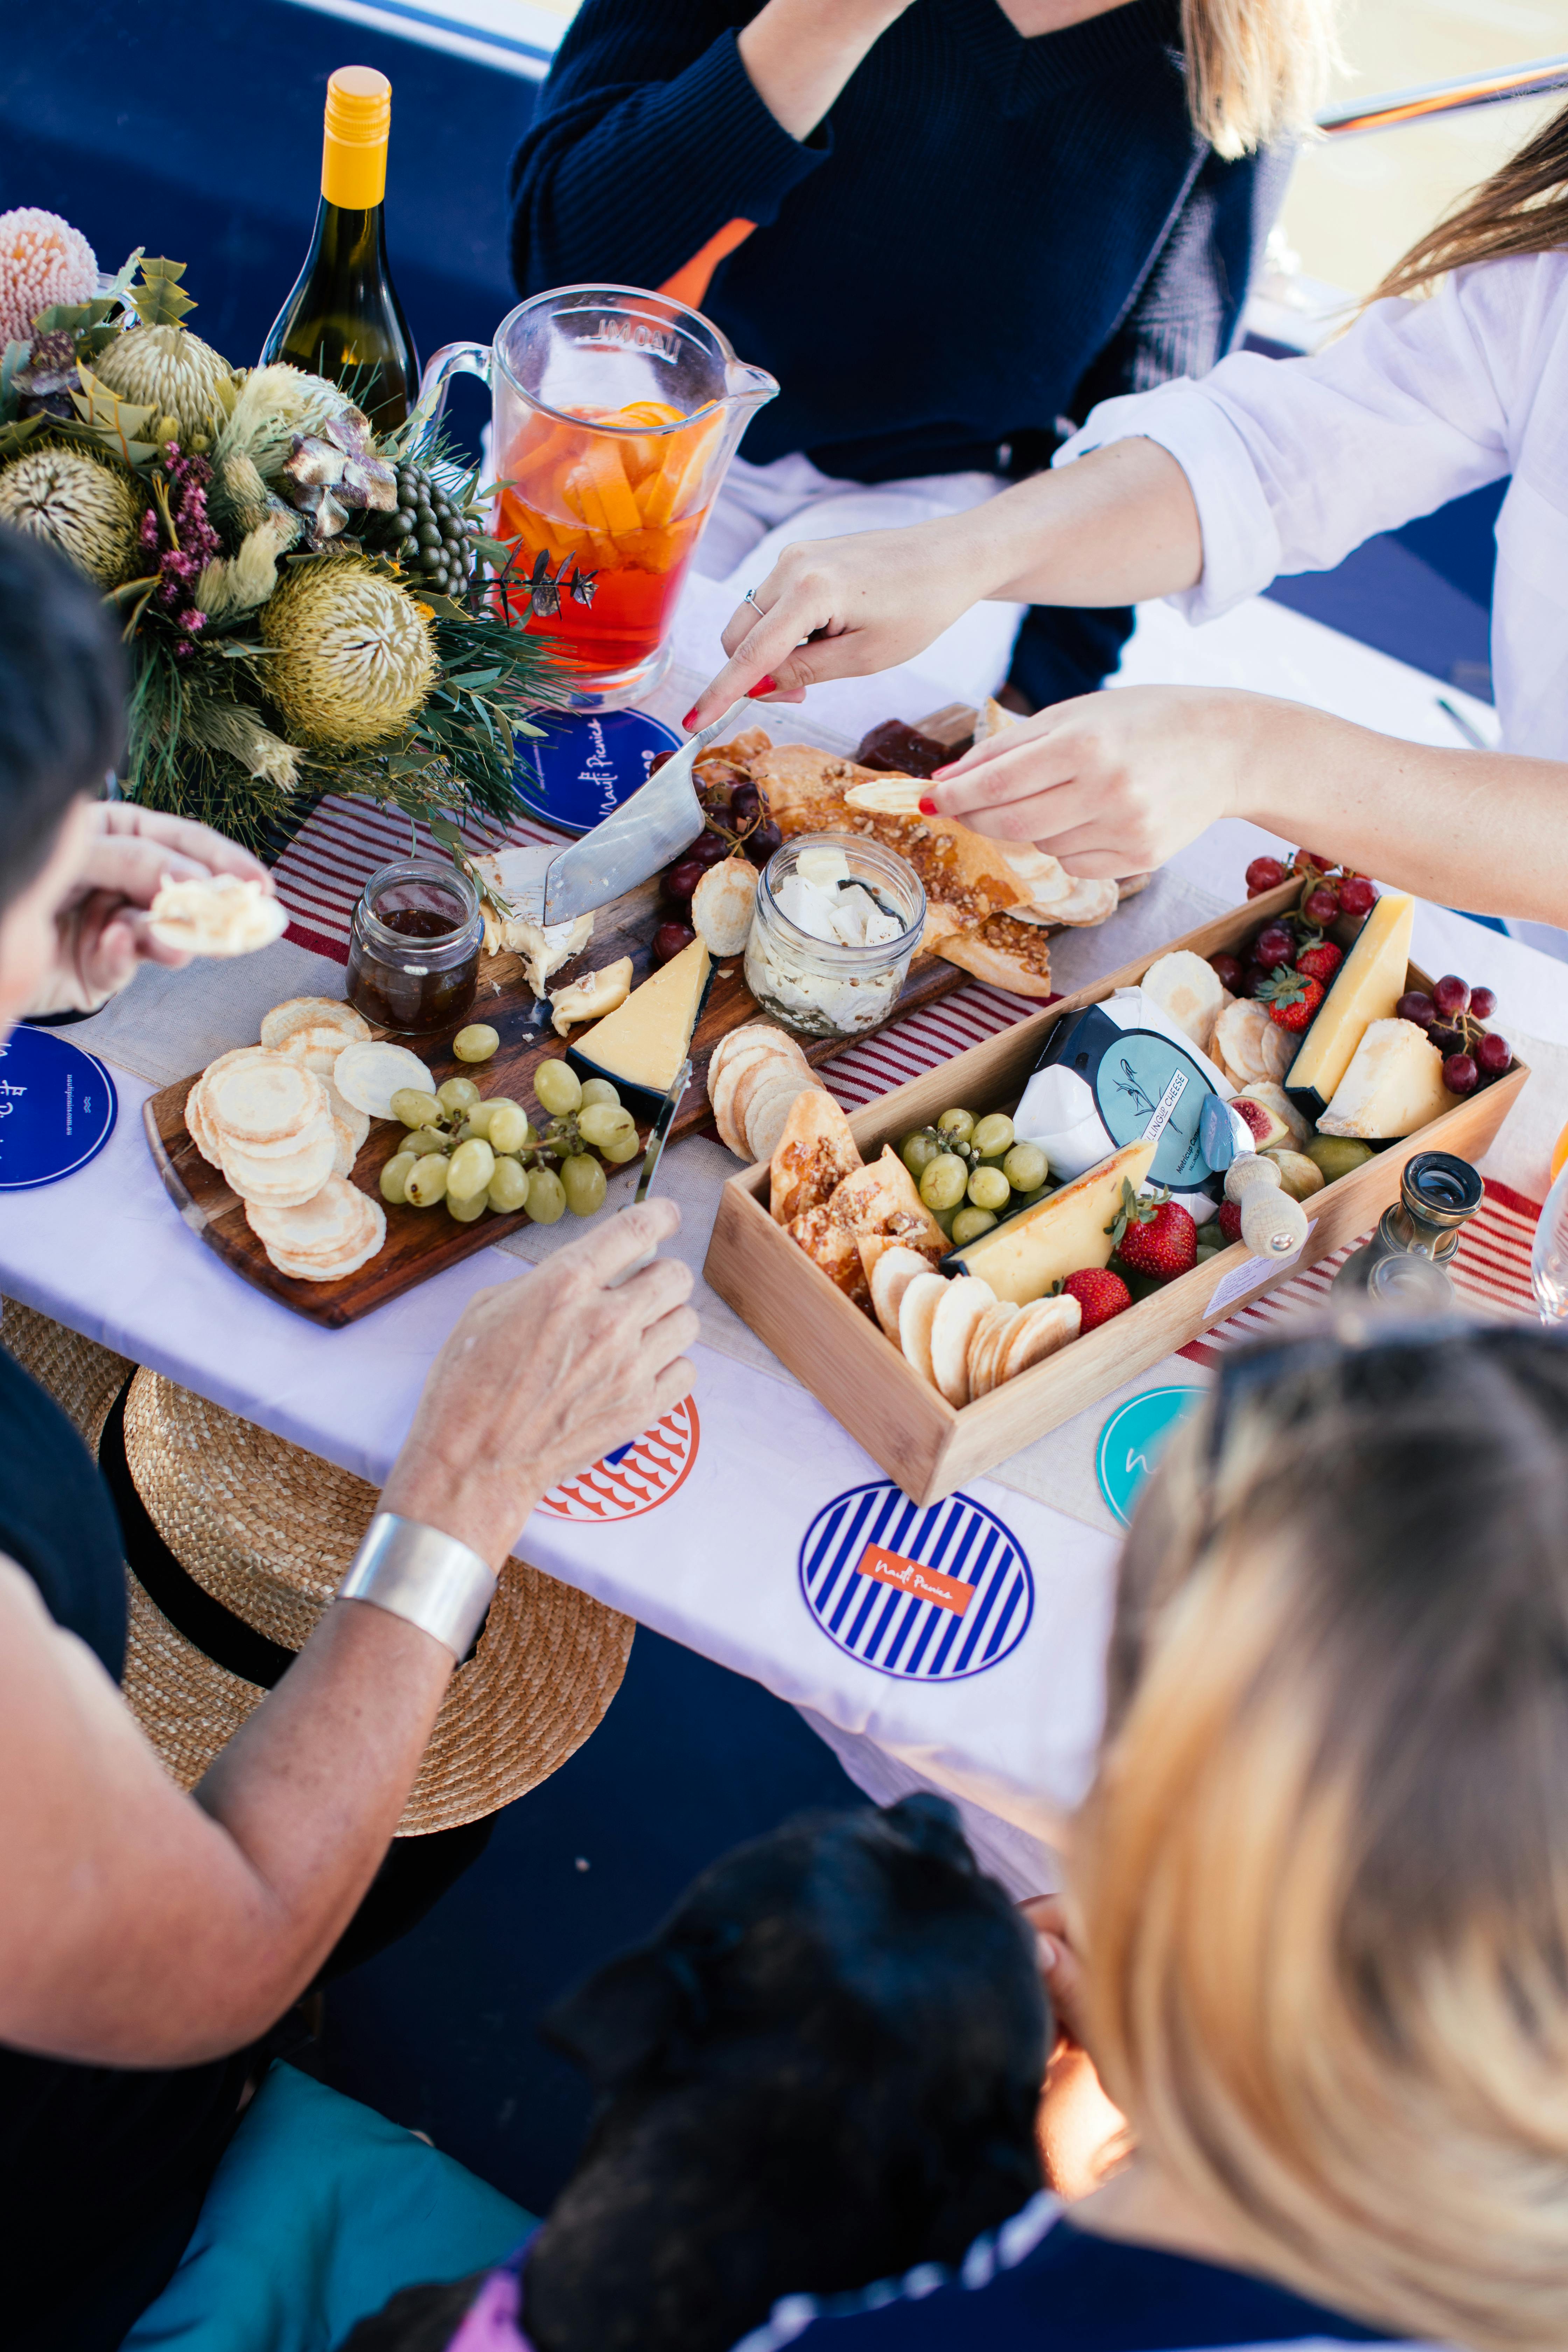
(546, 885)
(658, 1137)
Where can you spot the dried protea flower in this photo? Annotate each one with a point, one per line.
(276, 404)
(169, 368)
(86, 507)
(43, 260)
(353, 655)
(329, 475)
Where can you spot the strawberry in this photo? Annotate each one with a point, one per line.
(1292, 998)
(1321, 962)
(1230, 1219)
(1099, 1293)
(1159, 1238)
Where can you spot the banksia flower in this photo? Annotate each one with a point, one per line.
(43, 260)
(172, 371)
(83, 505)
(353, 655)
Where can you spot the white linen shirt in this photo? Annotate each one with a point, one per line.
(1295, 462)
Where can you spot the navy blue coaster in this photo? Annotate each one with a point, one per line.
(586, 763)
(57, 1108)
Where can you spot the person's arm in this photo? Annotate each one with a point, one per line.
(660, 126)
(1268, 466)
(140, 1927)
(1115, 783)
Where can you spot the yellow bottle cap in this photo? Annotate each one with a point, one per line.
(353, 152)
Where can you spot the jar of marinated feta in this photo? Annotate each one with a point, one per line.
(837, 919)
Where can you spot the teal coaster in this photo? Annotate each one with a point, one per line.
(1133, 1440)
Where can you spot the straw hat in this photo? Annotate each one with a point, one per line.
(265, 1531)
(83, 1377)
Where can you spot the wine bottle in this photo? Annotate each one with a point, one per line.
(344, 319)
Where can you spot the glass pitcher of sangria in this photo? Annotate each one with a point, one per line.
(615, 413)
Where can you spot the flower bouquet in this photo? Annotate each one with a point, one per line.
(309, 605)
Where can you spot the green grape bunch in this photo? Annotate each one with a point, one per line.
(480, 1153)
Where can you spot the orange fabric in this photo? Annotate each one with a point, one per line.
(691, 281)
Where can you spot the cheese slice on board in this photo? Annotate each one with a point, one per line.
(1393, 1085)
(1058, 1236)
(1367, 986)
(646, 1040)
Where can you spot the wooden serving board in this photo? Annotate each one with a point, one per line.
(421, 1242)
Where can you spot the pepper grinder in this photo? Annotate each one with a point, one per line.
(1438, 1195)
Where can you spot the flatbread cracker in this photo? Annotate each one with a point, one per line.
(813, 1154)
(770, 1109)
(968, 1302)
(296, 1011)
(1043, 1327)
(917, 1312)
(891, 1267)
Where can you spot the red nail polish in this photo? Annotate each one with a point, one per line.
(928, 806)
(764, 686)
(689, 718)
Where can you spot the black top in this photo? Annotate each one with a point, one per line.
(1038, 2284)
(101, 2171)
(986, 235)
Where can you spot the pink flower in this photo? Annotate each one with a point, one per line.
(43, 260)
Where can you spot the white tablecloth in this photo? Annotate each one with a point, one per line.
(716, 1562)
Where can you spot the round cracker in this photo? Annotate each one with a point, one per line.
(990, 1337)
(967, 1301)
(751, 1082)
(368, 1073)
(345, 1148)
(1044, 1327)
(330, 1220)
(281, 1184)
(770, 1107)
(357, 1121)
(280, 1147)
(772, 1052)
(260, 1097)
(750, 1033)
(317, 1012)
(317, 1044)
(890, 1278)
(917, 1311)
(196, 1126)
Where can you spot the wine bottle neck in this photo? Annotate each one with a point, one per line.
(354, 137)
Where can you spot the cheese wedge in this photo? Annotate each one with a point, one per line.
(644, 1042)
(1058, 1236)
(1393, 1085)
(1368, 985)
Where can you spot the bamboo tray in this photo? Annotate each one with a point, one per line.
(419, 1245)
(928, 1446)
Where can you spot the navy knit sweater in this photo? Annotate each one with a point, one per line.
(986, 235)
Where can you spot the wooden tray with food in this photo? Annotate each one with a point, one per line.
(1338, 1056)
(267, 1167)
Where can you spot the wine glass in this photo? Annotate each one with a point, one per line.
(1549, 1256)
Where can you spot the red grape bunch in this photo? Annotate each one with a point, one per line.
(737, 826)
(1452, 1016)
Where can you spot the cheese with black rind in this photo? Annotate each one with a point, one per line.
(1064, 1233)
(1393, 1085)
(641, 1045)
(1366, 988)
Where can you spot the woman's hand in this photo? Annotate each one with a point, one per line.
(544, 1375)
(1082, 2137)
(845, 607)
(1111, 783)
(101, 924)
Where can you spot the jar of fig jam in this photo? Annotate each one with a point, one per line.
(413, 950)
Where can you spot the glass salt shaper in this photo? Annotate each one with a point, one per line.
(837, 919)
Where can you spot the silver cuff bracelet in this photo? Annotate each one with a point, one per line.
(416, 1572)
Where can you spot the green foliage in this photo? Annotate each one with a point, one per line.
(157, 298)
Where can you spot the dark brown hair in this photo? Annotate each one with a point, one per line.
(1523, 208)
(62, 700)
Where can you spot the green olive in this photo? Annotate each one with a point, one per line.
(968, 1225)
(476, 1043)
(394, 1175)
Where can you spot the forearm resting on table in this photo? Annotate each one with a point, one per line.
(141, 1929)
(1481, 830)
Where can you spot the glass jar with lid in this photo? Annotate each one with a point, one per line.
(414, 949)
(837, 919)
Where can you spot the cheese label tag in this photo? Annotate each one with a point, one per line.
(1132, 1073)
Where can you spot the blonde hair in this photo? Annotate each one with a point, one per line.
(1523, 208)
(1324, 1877)
(1256, 69)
